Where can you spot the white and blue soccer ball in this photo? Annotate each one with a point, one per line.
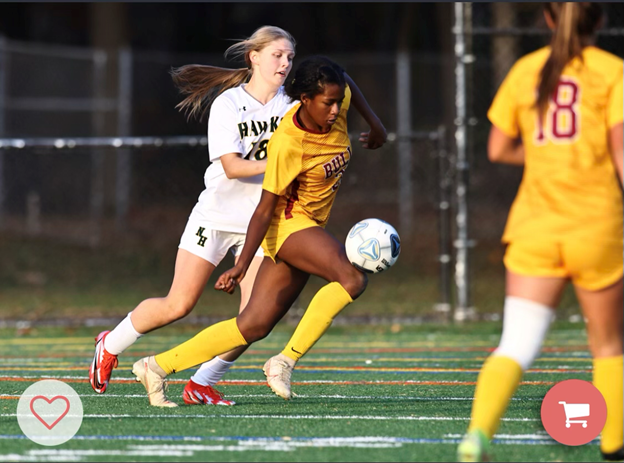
(373, 245)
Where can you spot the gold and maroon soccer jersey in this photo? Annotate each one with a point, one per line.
(570, 187)
(304, 169)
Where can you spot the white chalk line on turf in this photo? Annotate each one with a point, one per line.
(286, 417)
(187, 446)
(225, 382)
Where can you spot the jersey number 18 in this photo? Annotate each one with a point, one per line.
(261, 151)
(562, 117)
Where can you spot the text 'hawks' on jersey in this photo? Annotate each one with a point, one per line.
(254, 128)
(238, 123)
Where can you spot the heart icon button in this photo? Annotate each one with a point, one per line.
(49, 402)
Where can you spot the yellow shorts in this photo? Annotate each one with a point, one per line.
(590, 265)
(279, 231)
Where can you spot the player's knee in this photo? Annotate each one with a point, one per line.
(253, 330)
(354, 282)
(179, 308)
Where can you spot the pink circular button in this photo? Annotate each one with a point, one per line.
(574, 412)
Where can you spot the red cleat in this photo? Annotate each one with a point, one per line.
(196, 394)
(102, 365)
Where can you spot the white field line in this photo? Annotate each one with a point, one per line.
(180, 441)
(286, 417)
(256, 444)
(226, 381)
(256, 381)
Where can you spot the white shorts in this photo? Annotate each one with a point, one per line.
(212, 245)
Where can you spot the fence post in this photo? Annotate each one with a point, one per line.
(124, 128)
(445, 257)
(463, 309)
(404, 145)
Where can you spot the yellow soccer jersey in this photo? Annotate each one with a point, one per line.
(570, 186)
(305, 168)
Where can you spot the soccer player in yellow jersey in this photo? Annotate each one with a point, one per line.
(559, 113)
(307, 157)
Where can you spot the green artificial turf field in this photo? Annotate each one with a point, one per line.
(363, 394)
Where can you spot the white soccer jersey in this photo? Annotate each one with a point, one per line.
(238, 123)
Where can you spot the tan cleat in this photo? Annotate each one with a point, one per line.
(155, 383)
(278, 370)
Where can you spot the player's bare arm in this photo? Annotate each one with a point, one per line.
(504, 149)
(377, 135)
(235, 166)
(258, 226)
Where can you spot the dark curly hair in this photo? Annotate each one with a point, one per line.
(312, 75)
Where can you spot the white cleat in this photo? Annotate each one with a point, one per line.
(154, 384)
(278, 372)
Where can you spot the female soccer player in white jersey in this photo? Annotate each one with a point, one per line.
(564, 102)
(243, 116)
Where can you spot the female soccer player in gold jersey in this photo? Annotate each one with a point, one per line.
(559, 113)
(307, 157)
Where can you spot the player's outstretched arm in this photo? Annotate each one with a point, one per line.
(258, 226)
(377, 135)
(504, 149)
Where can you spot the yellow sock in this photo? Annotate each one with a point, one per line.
(497, 382)
(326, 304)
(214, 340)
(608, 379)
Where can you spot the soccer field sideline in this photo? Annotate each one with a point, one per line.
(349, 406)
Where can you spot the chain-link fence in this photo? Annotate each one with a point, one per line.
(96, 155)
(496, 35)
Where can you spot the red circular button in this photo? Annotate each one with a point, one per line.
(574, 412)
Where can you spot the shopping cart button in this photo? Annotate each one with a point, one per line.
(574, 412)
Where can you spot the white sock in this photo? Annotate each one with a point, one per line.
(209, 373)
(122, 337)
(525, 325)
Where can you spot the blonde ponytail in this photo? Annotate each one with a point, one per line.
(203, 84)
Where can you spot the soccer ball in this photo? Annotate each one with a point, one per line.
(373, 245)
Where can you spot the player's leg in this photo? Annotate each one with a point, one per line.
(278, 285)
(596, 270)
(190, 277)
(346, 283)
(528, 311)
(200, 388)
(602, 310)
(200, 251)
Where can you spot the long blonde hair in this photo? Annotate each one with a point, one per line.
(575, 23)
(202, 83)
